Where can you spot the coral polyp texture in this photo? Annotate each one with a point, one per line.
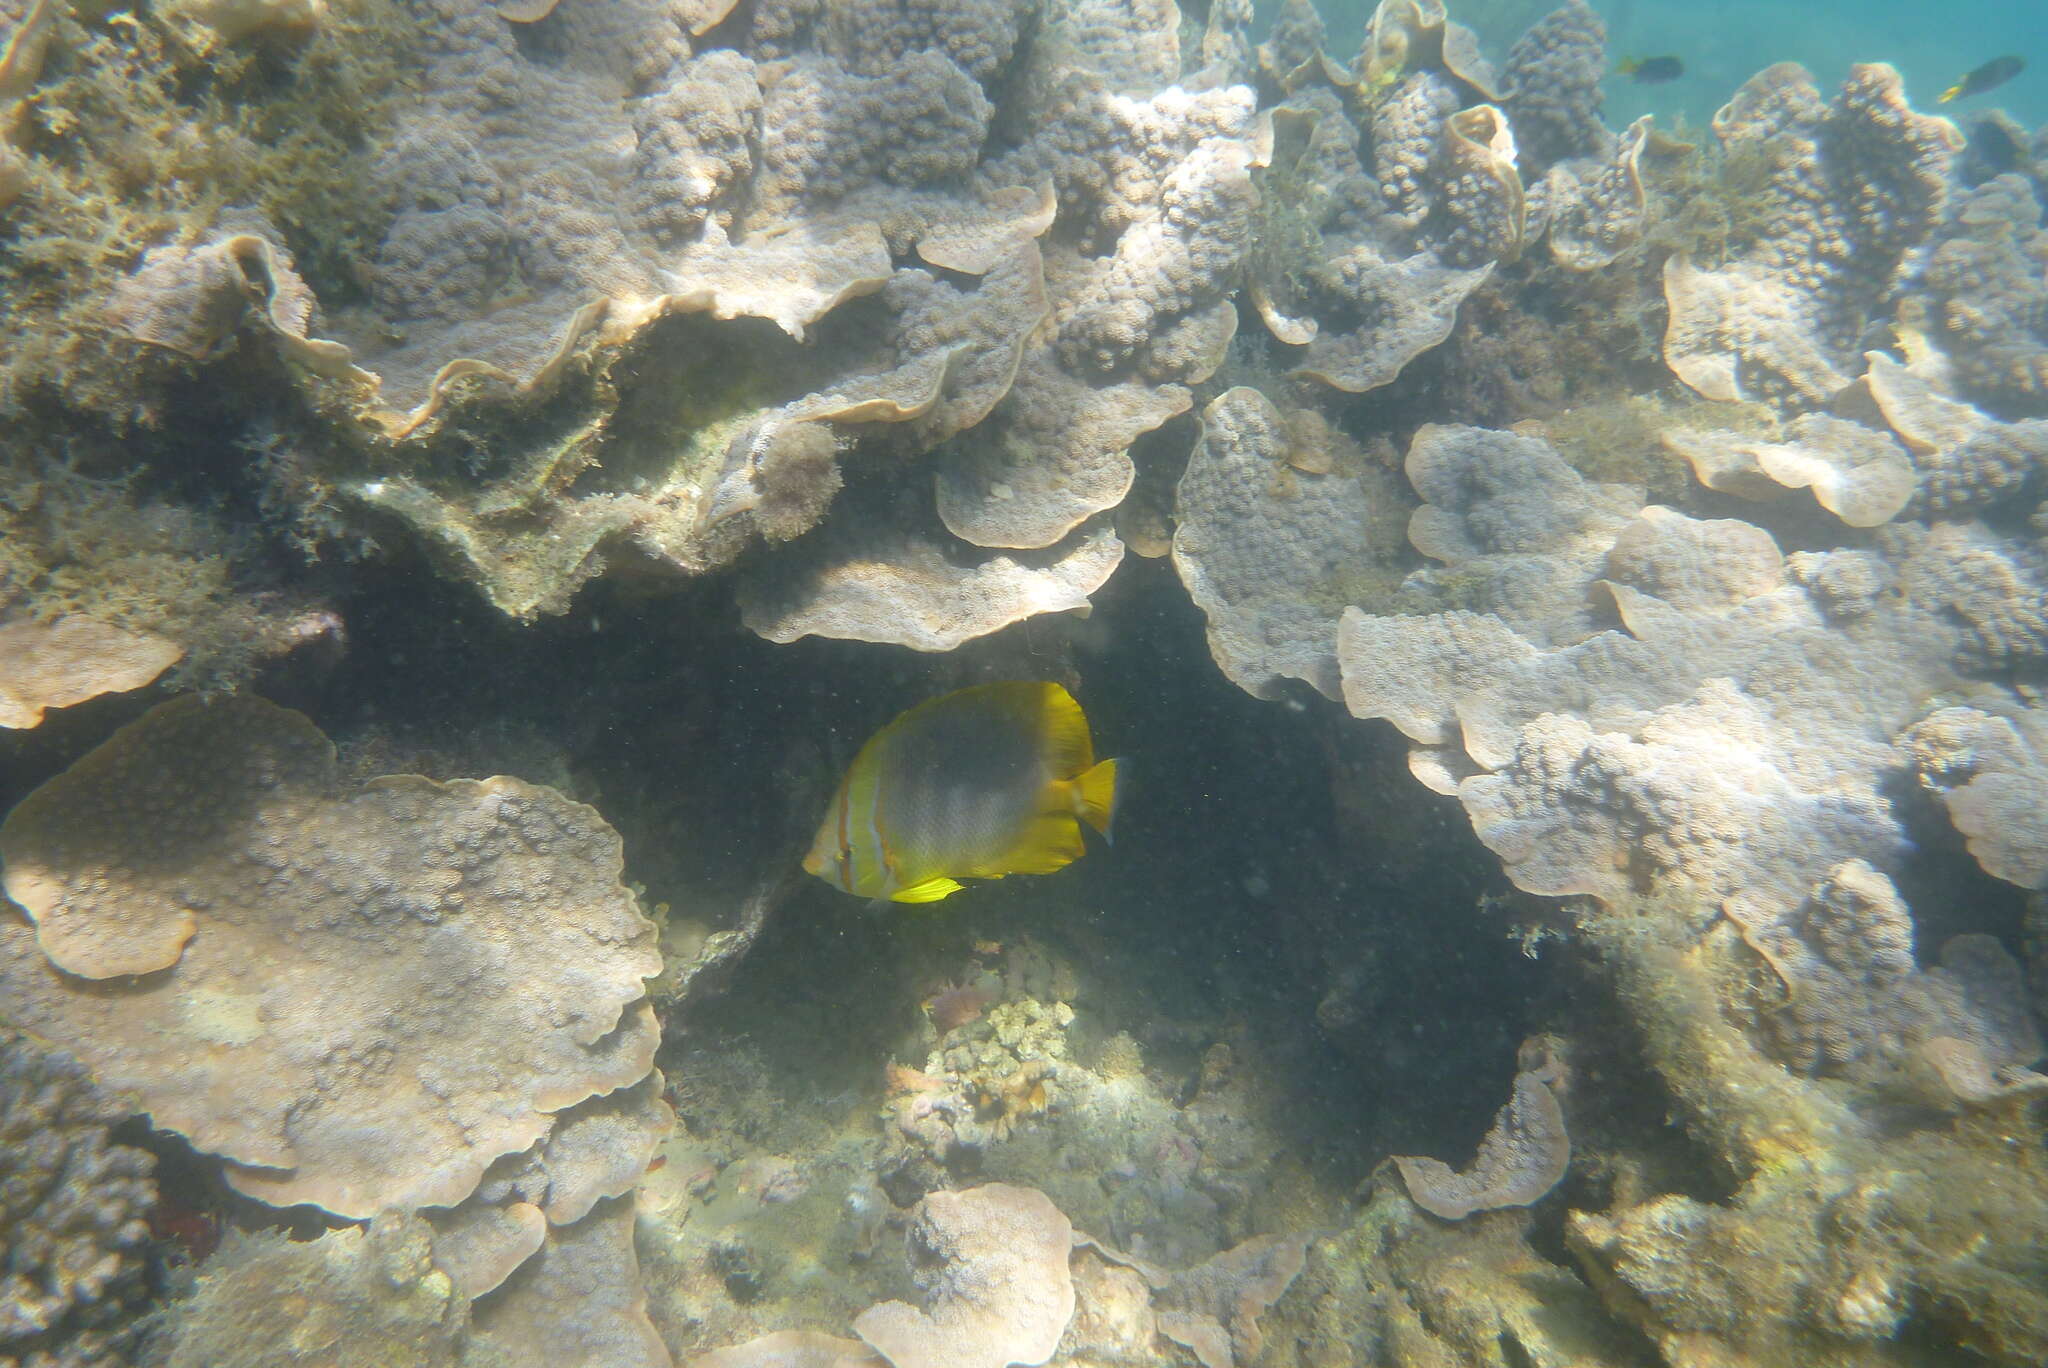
(325, 986)
(644, 396)
(72, 1217)
(1521, 1158)
(1853, 185)
(55, 664)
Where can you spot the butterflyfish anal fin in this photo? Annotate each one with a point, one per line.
(1095, 797)
(927, 890)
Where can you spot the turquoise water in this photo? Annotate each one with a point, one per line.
(1725, 42)
(1931, 45)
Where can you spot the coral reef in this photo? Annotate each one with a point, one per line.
(1520, 1159)
(98, 579)
(1980, 297)
(1920, 1228)
(996, 1286)
(232, 925)
(1266, 547)
(371, 1293)
(55, 664)
(1854, 186)
(72, 1202)
(587, 390)
(1399, 1287)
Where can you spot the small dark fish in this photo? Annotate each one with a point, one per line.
(1990, 76)
(1653, 70)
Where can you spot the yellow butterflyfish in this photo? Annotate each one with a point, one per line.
(975, 784)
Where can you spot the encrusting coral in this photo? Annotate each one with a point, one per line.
(995, 1282)
(231, 925)
(1520, 1159)
(1265, 548)
(1854, 186)
(47, 665)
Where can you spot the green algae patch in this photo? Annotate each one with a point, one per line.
(1619, 441)
(141, 134)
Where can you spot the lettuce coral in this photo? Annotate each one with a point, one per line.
(233, 927)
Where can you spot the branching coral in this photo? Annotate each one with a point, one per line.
(72, 1201)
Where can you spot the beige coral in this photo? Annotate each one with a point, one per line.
(1853, 186)
(578, 1300)
(1264, 548)
(792, 276)
(22, 45)
(992, 1264)
(1992, 774)
(907, 590)
(55, 664)
(1214, 1308)
(321, 983)
(1860, 475)
(790, 1349)
(1736, 738)
(352, 1295)
(1594, 211)
(190, 300)
(1054, 454)
(1522, 1157)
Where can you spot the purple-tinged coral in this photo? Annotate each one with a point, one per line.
(1982, 296)
(1522, 1157)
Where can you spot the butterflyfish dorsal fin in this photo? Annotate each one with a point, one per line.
(1062, 725)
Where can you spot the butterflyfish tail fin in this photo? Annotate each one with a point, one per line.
(927, 890)
(1950, 93)
(1095, 797)
(1628, 66)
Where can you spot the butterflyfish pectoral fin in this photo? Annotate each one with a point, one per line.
(926, 890)
(1095, 797)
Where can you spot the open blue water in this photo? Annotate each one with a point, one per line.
(1724, 42)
